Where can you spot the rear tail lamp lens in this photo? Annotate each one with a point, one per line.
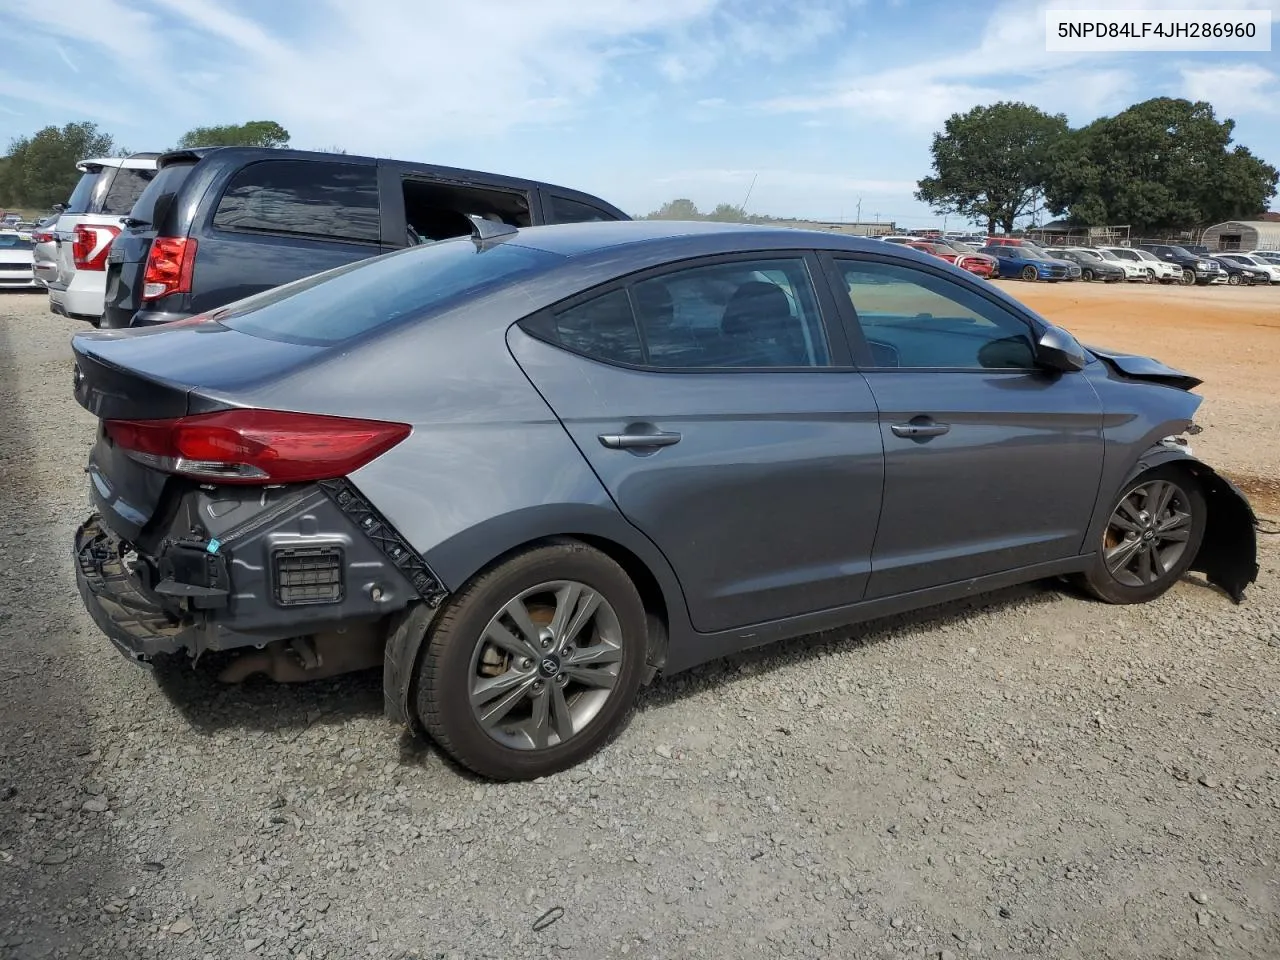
(170, 263)
(90, 245)
(257, 446)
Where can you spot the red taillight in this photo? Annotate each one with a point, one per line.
(257, 446)
(91, 244)
(169, 266)
(40, 236)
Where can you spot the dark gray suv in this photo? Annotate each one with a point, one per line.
(528, 470)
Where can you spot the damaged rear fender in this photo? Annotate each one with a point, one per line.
(1228, 555)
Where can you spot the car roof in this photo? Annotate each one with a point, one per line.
(241, 156)
(700, 236)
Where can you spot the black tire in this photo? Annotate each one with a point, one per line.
(1151, 276)
(1103, 583)
(1030, 273)
(1233, 279)
(446, 671)
(1188, 278)
(1086, 275)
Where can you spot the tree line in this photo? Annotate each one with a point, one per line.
(1160, 165)
(40, 170)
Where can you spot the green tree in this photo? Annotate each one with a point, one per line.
(730, 213)
(989, 162)
(681, 209)
(1161, 164)
(41, 169)
(255, 133)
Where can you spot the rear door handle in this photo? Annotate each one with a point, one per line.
(629, 441)
(918, 429)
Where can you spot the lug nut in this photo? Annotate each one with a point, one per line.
(526, 663)
(562, 678)
(537, 686)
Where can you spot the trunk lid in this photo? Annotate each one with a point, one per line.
(162, 373)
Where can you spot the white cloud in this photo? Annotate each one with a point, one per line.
(1233, 89)
(1009, 62)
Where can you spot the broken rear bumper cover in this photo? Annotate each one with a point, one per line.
(317, 559)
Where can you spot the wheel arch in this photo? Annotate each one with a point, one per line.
(473, 552)
(1228, 555)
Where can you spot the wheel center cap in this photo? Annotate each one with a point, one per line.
(549, 666)
(1148, 534)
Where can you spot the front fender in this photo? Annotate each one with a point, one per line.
(1228, 555)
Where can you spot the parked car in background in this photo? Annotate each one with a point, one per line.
(489, 460)
(1270, 256)
(1010, 242)
(220, 224)
(1092, 266)
(976, 263)
(1198, 249)
(1253, 260)
(17, 269)
(1153, 268)
(1133, 268)
(45, 250)
(1195, 267)
(970, 259)
(1030, 263)
(88, 223)
(1242, 273)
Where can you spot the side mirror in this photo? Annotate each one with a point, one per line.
(1058, 350)
(59, 208)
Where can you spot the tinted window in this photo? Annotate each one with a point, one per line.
(564, 210)
(758, 313)
(155, 200)
(914, 319)
(603, 328)
(340, 304)
(126, 186)
(11, 241)
(83, 193)
(338, 200)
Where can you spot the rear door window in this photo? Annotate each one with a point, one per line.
(303, 197)
(159, 193)
(564, 210)
(125, 188)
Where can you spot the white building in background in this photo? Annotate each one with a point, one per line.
(1243, 235)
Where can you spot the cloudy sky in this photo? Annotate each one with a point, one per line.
(823, 103)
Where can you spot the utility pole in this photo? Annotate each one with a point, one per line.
(858, 217)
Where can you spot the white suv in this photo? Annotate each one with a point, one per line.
(87, 223)
(1151, 267)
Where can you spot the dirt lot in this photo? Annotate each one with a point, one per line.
(1032, 775)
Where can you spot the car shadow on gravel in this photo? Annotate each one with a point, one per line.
(261, 704)
(776, 656)
(53, 853)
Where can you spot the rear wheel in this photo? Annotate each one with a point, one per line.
(1152, 536)
(1030, 273)
(535, 664)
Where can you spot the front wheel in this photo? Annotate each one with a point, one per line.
(1151, 538)
(1188, 278)
(1030, 273)
(1086, 275)
(1234, 279)
(1150, 277)
(535, 664)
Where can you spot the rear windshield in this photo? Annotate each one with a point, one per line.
(83, 193)
(125, 187)
(12, 241)
(160, 192)
(360, 297)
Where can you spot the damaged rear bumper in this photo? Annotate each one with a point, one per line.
(236, 568)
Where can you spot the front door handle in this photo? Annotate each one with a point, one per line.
(630, 441)
(920, 428)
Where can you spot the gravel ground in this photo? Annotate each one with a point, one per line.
(1035, 775)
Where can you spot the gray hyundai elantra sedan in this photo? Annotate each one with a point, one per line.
(540, 467)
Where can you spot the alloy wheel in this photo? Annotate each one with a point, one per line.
(1148, 533)
(545, 665)
(1030, 273)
